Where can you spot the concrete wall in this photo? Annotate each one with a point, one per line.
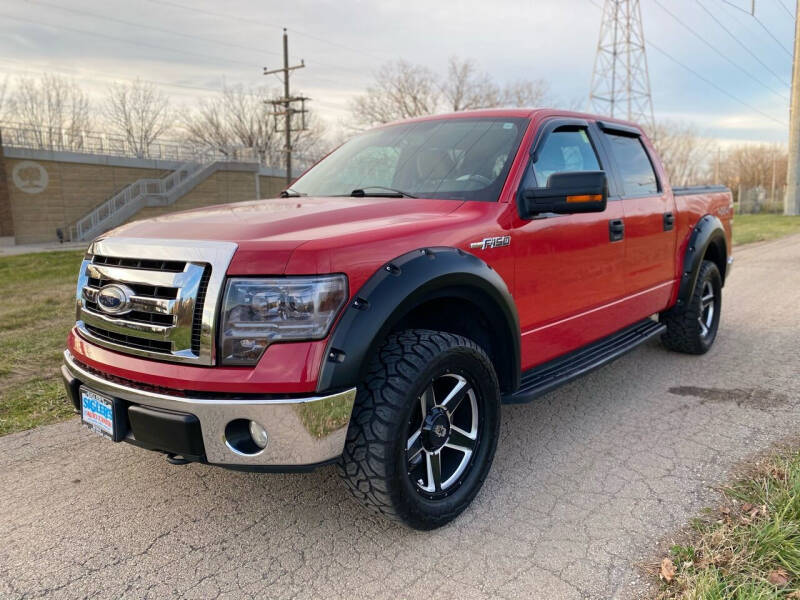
(6, 220)
(52, 190)
(50, 195)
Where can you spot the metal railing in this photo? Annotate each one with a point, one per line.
(132, 198)
(89, 142)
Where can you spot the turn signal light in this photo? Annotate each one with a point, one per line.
(585, 198)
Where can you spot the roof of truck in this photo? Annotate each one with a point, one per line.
(527, 113)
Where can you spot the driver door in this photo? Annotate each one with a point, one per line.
(569, 268)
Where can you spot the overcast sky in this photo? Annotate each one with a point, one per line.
(190, 47)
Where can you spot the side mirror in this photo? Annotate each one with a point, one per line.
(567, 193)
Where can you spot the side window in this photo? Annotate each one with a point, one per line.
(635, 168)
(563, 151)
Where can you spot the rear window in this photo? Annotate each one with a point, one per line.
(638, 175)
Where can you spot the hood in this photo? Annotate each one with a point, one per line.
(274, 228)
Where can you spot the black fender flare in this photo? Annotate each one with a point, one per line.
(707, 231)
(405, 283)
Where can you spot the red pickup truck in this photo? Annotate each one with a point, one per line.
(379, 313)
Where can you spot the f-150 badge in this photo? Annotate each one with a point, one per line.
(492, 242)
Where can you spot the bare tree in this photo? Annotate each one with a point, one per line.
(139, 112)
(401, 91)
(684, 152)
(53, 109)
(3, 92)
(525, 93)
(241, 117)
(465, 88)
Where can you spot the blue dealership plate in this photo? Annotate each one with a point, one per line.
(97, 412)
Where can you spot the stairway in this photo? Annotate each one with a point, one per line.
(143, 192)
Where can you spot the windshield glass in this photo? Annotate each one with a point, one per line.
(463, 159)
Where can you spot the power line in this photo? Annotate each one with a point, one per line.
(738, 41)
(360, 51)
(751, 13)
(706, 80)
(719, 52)
(106, 76)
(159, 29)
(125, 41)
(714, 85)
(786, 8)
(770, 34)
(96, 15)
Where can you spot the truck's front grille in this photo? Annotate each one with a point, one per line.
(167, 307)
(131, 341)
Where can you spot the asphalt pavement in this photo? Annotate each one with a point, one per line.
(588, 482)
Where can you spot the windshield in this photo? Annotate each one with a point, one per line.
(464, 159)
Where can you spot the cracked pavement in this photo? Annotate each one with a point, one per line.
(586, 482)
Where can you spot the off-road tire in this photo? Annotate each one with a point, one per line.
(684, 331)
(374, 463)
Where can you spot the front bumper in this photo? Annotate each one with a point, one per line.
(302, 431)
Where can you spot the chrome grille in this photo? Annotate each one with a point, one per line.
(173, 290)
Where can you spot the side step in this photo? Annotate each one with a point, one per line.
(557, 372)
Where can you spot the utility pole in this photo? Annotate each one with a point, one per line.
(791, 202)
(283, 107)
(620, 79)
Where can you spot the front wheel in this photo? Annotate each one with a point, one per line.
(424, 428)
(692, 328)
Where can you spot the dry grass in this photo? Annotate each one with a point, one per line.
(36, 312)
(748, 549)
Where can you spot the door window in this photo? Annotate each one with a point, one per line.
(564, 150)
(635, 168)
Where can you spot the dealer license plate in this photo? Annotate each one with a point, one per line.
(97, 412)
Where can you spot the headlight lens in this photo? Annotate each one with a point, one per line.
(259, 312)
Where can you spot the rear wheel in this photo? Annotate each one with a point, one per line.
(424, 428)
(692, 328)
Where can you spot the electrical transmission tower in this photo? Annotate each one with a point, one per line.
(284, 107)
(620, 81)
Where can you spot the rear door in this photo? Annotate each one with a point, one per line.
(568, 268)
(649, 212)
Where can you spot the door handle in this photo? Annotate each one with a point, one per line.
(616, 230)
(669, 221)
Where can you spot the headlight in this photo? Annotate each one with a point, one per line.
(259, 312)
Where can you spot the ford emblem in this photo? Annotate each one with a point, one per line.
(114, 299)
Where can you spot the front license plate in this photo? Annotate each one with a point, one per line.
(97, 412)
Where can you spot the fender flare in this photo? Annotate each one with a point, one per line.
(405, 283)
(707, 231)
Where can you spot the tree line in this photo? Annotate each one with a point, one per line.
(55, 107)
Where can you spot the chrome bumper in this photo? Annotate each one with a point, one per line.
(302, 431)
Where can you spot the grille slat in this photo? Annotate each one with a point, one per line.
(197, 322)
(130, 340)
(169, 266)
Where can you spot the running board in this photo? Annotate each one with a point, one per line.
(557, 372)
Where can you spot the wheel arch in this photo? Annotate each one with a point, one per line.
(706, 242)
(426, 288)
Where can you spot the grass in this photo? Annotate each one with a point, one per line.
(36, 312)
(758, 228)
(749, 549)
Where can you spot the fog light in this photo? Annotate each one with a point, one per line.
(259, 434)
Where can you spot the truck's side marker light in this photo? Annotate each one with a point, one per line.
(585, 198)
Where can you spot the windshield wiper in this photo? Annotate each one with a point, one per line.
(387, 192)
(290, 193)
